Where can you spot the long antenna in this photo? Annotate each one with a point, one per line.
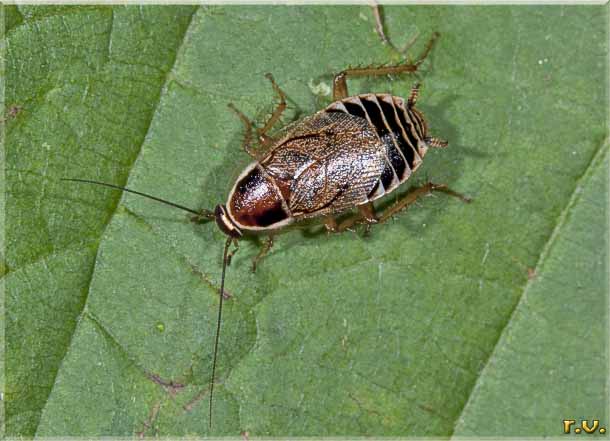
(222, 290)
(204, 213)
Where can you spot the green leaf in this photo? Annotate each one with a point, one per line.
(479, 319)
(555, 340)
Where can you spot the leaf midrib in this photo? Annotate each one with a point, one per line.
(113, 210)
(597, 160)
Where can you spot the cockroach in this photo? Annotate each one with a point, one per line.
(347, 155)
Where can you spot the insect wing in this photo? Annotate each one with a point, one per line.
(331, 161)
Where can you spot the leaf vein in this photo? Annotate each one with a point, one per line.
(596, 161)
(162, 91)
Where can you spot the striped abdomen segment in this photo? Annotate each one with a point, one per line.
(401, 128)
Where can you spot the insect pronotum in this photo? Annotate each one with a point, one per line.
(347, 155)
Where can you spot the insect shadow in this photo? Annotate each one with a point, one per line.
(438, 113)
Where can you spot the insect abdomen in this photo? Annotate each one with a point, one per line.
(401, 128)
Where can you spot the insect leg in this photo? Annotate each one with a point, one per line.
(233, 251)
(263, 252)
(379, 25)
(427, 49)
(379, 28)
(330, 223)
(340, 80)
(367, 211)
(414, 194)
(340, 86)
(247, 141)
(366, 215)
(275, 116)
(264, 140)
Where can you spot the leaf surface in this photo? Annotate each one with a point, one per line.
(419, 328)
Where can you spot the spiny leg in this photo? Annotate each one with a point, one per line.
(379, 28)
(263, 139)
(262, 252)
(247, 141)
(340, 80)
(331, 225)
(366, 215)
(414, 194)
(232, 252)
(275, 116)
